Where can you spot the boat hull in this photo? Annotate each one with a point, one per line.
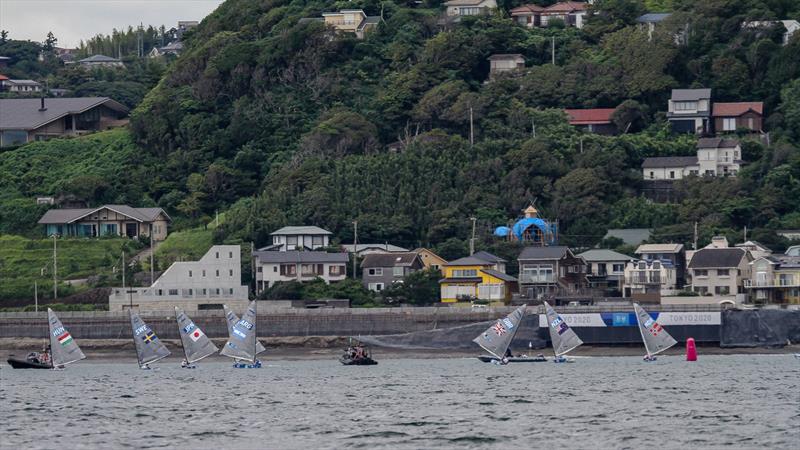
(515, 359)
(358, 362)
(17, 363)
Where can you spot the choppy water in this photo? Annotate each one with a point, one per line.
(732, 401)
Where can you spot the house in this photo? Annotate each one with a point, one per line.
(647, 280)
(209, 283)
(793, 250)
(100, 61)
(174, 48)
(756, 249)
(606, 268)
(597, 120)
(775, 279)
(460, 8)
(500, 63)
(475, 277)
(381, 270)
(719, 271)
(354, 21)
(649, 21)
(792, 235)
(4, 61)
(362, 250)
(669, 167)
(107, 220)
(56, 92)
(546, 272)
(629, 236)
(689, 111)
(730, 117)
(719, 156)
(573, 14)
(293, 238)
(528, 15)
(293, 265)
(3, 82)
(22, 86)
(430, 260)
(24, 120)
(672, 255)
(791, 27)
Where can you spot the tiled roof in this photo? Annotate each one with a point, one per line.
(682, 95)
(25, 114)
(59, 216)
(505, 56)
(669, 161)
(566, 7)
(300, 230)
(389, 259)
(463, 2)
(524, 10)
(383, 247)
(596, 116)
(500, 275)
(601, 254)
(737, 109)
(717, 257)
(470, 261)
(555, 252)
(659, 248)
(486, 256)
(98, 58)
(717, 143)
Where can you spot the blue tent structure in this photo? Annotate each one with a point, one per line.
(531, 229)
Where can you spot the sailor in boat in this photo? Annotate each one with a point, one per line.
(184, 363)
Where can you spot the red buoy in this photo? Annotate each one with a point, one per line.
(691, 350)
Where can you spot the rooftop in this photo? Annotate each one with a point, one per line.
(463, 2)
(659, 248)
(506, 57)
(500, 275)
(682, 95)
(717, 143)
(736, 109)
(384, 247)
(566, 7)
(653, 17)
(300, 230)
(470, 261)
(717, 258)
(25, 114)
(660, 162)
(98, 58)
(295, 256)
(597, 116)
(403, 259)
(601, 254)
(526, 9)
(630, 236)
(58, 216)
(555, 252)
(488, 257)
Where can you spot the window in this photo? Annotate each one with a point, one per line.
(375, 271)
(398, 271)
(217, 272)
(672, 174)
(317, 241)
(729, 124)
(274, 269)
(702, 290)
(723, 272)
(159, 292)
(204, 272)
(259, 269)
(190, 274)
(288, 270)
(722, 290)
(375, 287)
(618, 268)
(230, 255)
(700, 272)
(465, 273)
(537, 273)
(204, 291)
(291, 240)
(173, 292)
(336, 271)
(230, 291)
(230, 272)
(217, 255)
(652, 174)
(656, 265)
(685, 106)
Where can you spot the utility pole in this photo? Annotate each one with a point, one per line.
(472, 241)
(36, 296)
(152, 258)
(533, 127)
(745, 233)
(253, 267)
(55, 268)
(355, 246)
(471, 129)
(123, 270)
(553, 50)
(694, 245)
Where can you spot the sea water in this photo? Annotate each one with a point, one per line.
(622, 402)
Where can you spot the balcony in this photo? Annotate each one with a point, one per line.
(780, 283)
(537, 279)
(654, 278)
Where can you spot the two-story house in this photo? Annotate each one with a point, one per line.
(645, 277)
(304, 237)
(606, 268)
(382, 270)
(775, 279)
(718, 156)
(730, 117)
(476, 277)
(292, 265)
(430, 260)
(719, 271)
(689, 111)
(546, 272)
(354, 21)
(673, 254)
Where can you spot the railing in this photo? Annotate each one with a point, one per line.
(771, 283)
(652, 279)
(527, 278)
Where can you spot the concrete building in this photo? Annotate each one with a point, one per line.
(719, 271)
(292, 265)
(381, 270)
(23, 120)
(606, 268)
(214, 280)
(294, 238)
(119, 220)
(689, 111)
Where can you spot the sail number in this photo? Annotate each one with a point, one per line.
(140, 330)
(245, 324)
(59, 331)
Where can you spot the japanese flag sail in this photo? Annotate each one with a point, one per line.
(63, 348)
(196, 345)
(562, 336)
(498, 337)
(655, 337)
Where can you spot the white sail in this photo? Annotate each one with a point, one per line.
(231, 318)
(655, 337)
(242, 343)
(498, 337)
(562, 336)
(196, 345)
(63, 349)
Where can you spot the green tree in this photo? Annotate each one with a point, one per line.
(50, 42)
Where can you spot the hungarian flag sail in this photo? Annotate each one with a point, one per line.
(196, 345)
(63, 349)
(498, 337)
(149, 348)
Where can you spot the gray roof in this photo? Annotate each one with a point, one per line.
(98, 58)
(630, 236)
(683, 95)
(555, 252)
(717, 257)
(371, 20)
(462, 2)
(300, 230)
(505, 56)
(25, 82)
(301, 257)
(470, 261)
(311, 19)
(716, 142)
(404, 259)
(176, 45)
(652, 17)
(60, 216)
(501, 275)
(669, 161)
(382, 247)
(601, 254)
(24, 114)
(486, 256)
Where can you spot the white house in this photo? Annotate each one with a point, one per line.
(293, 238)
(100, 61)
(669, 167)
(22, 86)
(791, 26)
(650, 277)
(293, 265)
(469, 7)
(505, 63)
(214, 280)
(718, 156)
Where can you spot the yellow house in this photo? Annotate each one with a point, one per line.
(473, 278)
(429, 259)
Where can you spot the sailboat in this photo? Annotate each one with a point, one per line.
(63, 349)
(655, 337)
(149, 348)
(497, 338)
(562, 336)
(196, 345)
(242, 344)
(231, 318)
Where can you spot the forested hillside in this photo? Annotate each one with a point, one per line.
(285, 122)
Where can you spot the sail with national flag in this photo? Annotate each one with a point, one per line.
(562, 336)
(498, 337)
(655, 337)
(231, 318)
(63, 349)
(149, 348)
(242, 343)
(196, 345)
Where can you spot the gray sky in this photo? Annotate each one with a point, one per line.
(73, 20)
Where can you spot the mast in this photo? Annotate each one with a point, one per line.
(130, 315)
(255, 333)
(180, 336)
